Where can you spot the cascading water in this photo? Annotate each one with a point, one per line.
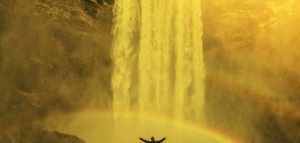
(158, 58)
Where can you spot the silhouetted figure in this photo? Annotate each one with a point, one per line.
(152, 140)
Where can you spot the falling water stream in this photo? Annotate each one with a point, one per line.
(158, 58)
(158, 76)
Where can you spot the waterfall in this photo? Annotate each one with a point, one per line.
(158, 58)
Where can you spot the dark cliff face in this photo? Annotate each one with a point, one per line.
(53, 57)
(252, 76)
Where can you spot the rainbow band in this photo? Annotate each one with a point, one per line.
(129, 125)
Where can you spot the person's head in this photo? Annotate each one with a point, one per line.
(152, 138)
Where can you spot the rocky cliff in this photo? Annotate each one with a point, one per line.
(53, 57)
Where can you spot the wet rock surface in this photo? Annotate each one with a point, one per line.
(53, 57)
(27, 135)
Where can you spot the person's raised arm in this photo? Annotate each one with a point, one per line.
(144, 140)
(161, 140)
